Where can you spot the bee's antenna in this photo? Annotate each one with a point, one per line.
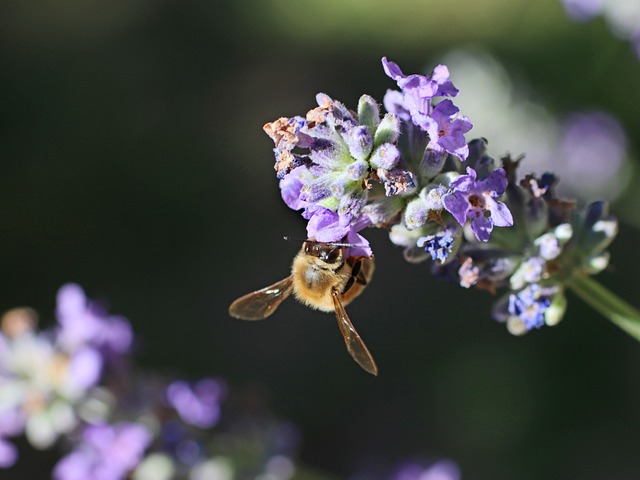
(338, 244)
(333, 244)
(295, 239)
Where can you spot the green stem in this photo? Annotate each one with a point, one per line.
(607, 303)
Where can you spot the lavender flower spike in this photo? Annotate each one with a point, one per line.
(475, 200)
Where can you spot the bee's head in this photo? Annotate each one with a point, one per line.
(327, 252)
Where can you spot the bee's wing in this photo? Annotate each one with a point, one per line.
(355, 345)
(261, 303)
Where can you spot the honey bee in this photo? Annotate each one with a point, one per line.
(323, 279)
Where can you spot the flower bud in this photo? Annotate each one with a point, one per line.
(432, 163)
(388, 131)
(359, 141)
(478, 159)
(368, 112)
(432, 195)
(416, 214)
(386, 156)
(358, 170)
(597, 263)
(556, 310)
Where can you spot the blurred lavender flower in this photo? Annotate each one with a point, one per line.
(197, 405)
(582, 10)
(84, 323)
(42, 384)
(106, 452)
(124, 425)
(623, 16)
(442, 470)
(594, 148)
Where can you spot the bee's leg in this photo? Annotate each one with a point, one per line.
(357, 274)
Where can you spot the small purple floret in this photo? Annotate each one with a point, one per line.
(446, 130)
(439, 246)
(475, 200)
(529, 305)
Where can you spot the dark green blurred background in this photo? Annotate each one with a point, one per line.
(133, 162)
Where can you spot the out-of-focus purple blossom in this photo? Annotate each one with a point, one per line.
(594, 148)
(446, 130)
(84, 323)
(582, 10)
(106, 452)
(475, 200)
(41, 385)
(197, 404)
(12, 422)
(442, 470)
(8, 453)
(621, 15)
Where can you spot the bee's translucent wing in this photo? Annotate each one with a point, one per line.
(355, 345)
(261, 303)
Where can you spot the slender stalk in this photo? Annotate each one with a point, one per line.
(608, 304)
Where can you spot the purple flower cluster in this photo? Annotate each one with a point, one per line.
(442, 122)
(350, 170)
(47, 376)
(105, 452)
(68, 383)
(330, 161)
(413, 173)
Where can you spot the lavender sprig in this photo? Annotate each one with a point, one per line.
(413, 173)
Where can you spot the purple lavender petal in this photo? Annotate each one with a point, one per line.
(8, 453)
(290, 187)
(444, 111)
(392, 70)
(495, 182)
(131, 442)
(465, 183)
(457, 205)
(393, 102)
(324, 226)
(441, 78)
(482, 227)
(71, 301)
(119, 335)
(85, 367)
(12, 422)
(500, 213)
(361, 248)
(75, 466)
